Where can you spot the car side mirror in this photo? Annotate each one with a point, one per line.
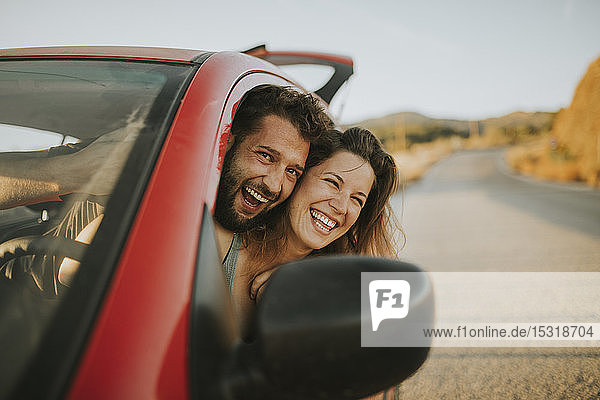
(307, 334)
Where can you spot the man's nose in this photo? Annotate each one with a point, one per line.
(340, 203)
(274, 180)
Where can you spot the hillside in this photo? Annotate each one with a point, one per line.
(572, 150)
(402, 130)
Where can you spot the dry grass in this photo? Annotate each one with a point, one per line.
(413, 163)
(492, 138)
(539, 160)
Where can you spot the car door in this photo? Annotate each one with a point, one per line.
(46, 328)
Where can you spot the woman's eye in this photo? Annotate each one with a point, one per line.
(333, 182)
(358, 200)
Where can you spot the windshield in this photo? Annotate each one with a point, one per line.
(69, 131)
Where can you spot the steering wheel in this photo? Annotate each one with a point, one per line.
(26, 307)
(52, 247)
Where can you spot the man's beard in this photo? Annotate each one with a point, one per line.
(229, 184)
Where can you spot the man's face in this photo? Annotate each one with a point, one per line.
(259, 173)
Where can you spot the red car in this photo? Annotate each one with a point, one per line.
(142, 311)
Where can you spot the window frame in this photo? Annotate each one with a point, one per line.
(213, 331)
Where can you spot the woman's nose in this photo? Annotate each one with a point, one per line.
(340, 203)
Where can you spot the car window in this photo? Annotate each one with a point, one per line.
(22, 138)
(69, 130)
(311, 76)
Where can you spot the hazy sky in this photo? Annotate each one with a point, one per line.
(459, 59)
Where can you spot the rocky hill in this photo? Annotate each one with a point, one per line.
(571, 151)
(576, 131)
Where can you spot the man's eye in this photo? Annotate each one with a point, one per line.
(266, 156)
(293, 172)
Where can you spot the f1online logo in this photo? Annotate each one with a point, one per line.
(389, 299)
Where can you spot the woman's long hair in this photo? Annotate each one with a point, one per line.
(376, 229)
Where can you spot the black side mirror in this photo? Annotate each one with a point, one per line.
(308, 334)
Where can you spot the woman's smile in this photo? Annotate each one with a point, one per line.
(322, 221)
(329, 200)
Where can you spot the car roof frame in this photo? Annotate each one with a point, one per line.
(343, 66)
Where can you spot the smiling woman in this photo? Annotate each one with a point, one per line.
(349, 181)
(329, 200)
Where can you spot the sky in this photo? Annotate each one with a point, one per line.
(463, 59)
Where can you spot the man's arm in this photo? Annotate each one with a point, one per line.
(27, 178)
(33, 177)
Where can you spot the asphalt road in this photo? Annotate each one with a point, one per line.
(470, 213)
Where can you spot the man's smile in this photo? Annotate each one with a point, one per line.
(255, 195)
(254, 200)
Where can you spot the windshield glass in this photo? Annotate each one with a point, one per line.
(68, 133)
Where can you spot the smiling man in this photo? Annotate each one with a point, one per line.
(269, 141)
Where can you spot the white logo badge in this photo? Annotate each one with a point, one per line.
(389, 300)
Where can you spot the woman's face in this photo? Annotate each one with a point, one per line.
(329, 199)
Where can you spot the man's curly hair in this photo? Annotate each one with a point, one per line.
(302, 110)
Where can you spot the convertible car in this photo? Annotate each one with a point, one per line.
(113, 288)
